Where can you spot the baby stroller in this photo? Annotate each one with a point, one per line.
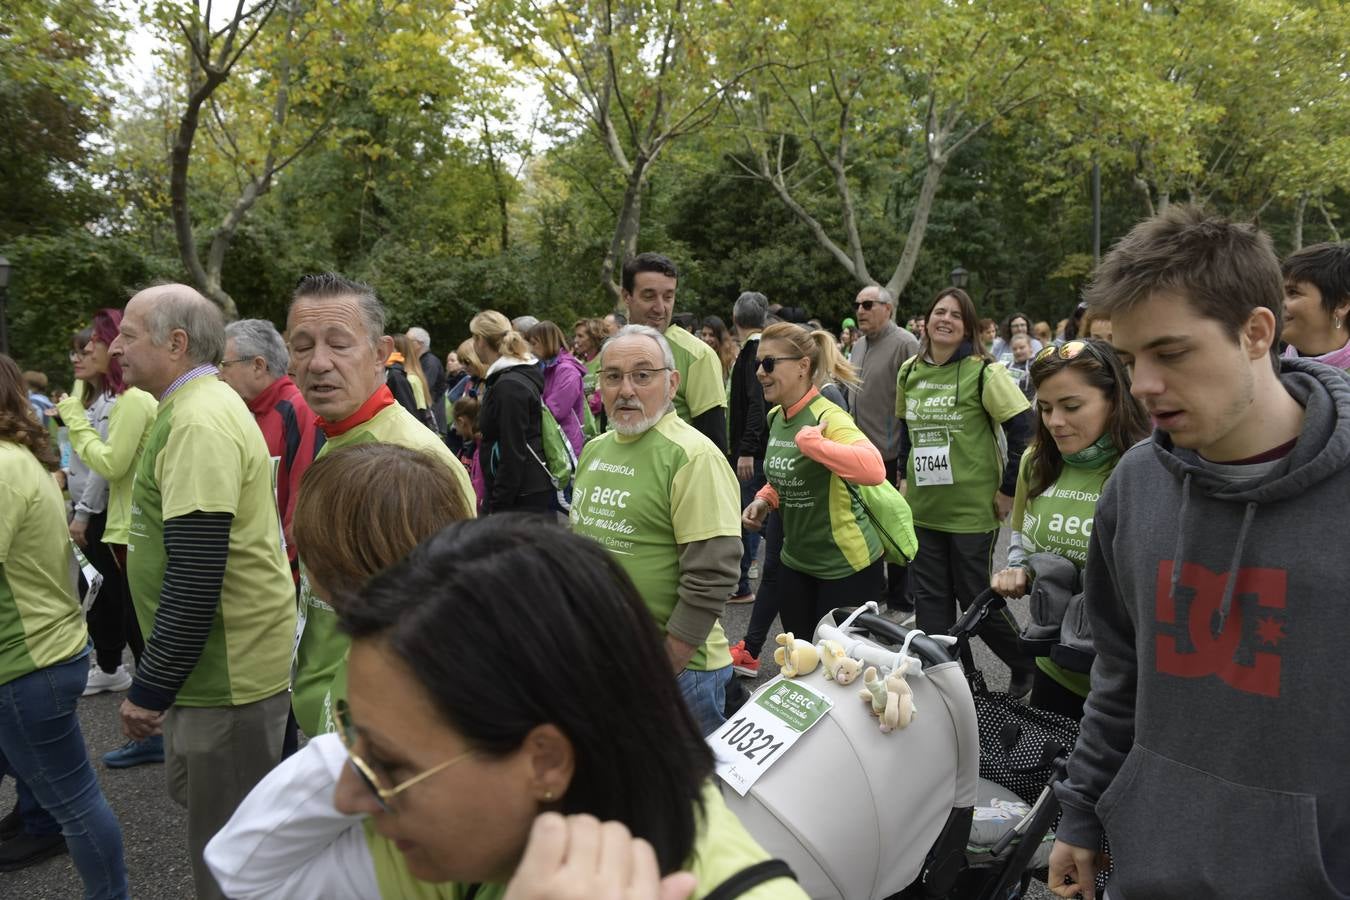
(861, 814)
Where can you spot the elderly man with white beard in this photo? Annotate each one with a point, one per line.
(659, 496)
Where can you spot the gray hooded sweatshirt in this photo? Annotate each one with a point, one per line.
(1215, 746)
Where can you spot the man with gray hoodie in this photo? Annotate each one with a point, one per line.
(1213, 744)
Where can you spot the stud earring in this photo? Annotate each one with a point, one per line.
(548, 796)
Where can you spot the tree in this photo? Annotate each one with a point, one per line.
(635, 76)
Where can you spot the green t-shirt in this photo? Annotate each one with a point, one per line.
(701, 384)
(642, 497)
(1059, 521)
(206, 454)
(115, 459)
(590, 427)
(722, 848)
(41, 623)
(955, 466)
(321, 653)
(826, 532)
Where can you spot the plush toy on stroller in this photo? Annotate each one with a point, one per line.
(863, 807)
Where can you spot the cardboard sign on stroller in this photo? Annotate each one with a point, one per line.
(764, 730)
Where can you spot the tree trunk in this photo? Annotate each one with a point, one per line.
(932, 178)
(1299, 208)
(624, 244)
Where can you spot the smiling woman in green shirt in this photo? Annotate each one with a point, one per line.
(1086, 418)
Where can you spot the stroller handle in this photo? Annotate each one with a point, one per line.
(928, 651)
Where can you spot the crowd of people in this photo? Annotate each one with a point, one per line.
(459, 579)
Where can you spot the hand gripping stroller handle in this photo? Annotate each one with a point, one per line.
(928, 651)
(969, 624)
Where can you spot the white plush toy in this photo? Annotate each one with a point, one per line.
(838, 665)
(891, 698)
(795, 657)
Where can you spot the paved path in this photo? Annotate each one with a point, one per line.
(154, 828)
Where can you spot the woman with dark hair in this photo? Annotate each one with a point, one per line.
(1087, 419)
(1317, 303)
(564, 381)
(956, 407)
(714, 333)
(1016, 323)
(108, 424)
(44, 647)
(588, 335)
(451, 754)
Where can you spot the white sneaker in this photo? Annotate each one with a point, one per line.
(100, 680)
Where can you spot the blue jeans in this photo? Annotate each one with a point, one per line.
(705, 693)
(749, 539)
(41, 743)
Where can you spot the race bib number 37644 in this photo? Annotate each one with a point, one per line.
(932, 456)
(763, 731)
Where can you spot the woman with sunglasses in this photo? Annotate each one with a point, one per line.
(447, 754)
(1086, 419)
(831, 555)
(956, 405)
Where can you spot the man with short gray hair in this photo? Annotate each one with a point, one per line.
(658, 494)
(878, 355)
(435, 372)
(255, 364)
(209, 580)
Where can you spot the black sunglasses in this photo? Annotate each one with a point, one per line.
(768, 362)
(866, 304)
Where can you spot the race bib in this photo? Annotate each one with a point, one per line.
(932, 456)
(764, 730)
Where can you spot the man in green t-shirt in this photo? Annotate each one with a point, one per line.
(649, 281)
(661, 498)
(208, 571)
(335, 328)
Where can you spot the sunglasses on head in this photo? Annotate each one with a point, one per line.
(768, 362)
(1070, 350)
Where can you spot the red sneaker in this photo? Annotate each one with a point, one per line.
(742, 663)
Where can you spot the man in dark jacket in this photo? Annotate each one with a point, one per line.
(748, 431)
(1212, 750)
(435, 372)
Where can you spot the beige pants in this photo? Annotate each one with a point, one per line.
(213, 756)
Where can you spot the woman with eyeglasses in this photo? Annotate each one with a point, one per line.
(1086, 419)
(108, 424)
(44, 649)
(448, 755)
(1016, 323)
(831, 555)
(957, 408)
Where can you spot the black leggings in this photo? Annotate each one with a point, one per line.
(804, 599)
(109, 616)
(766, 598)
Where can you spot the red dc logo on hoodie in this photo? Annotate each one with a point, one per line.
(1234, 655)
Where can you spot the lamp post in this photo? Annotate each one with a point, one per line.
(959, 277)
(4, 297)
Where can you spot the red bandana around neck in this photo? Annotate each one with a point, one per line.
(378, 401)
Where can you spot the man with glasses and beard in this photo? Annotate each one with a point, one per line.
(659, 496)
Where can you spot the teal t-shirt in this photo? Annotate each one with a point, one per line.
(955, 465)
(826, 532)
(1059, 521)
(642, 497)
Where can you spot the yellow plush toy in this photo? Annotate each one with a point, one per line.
(838, 665)
(795, 657)
(892, 700)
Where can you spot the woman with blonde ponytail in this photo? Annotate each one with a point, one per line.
(831, 555)
(509, 418)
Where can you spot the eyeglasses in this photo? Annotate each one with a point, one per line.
(768, 362)
(76, 355)
(230, 362)
(866, 304)
(1070, 350)
(641, 378)
(347, 734)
